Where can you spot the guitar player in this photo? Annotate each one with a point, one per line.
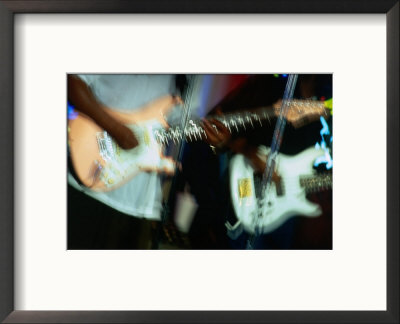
(209, 183)
(121, 218)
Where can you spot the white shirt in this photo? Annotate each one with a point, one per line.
(141, 196)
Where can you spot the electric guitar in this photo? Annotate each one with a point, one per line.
(101, 165)
(285, 198)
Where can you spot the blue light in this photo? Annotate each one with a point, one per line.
(326, 158)
(72, 114)
(206, 88)
(325, 127)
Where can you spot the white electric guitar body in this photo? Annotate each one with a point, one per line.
(284, 199)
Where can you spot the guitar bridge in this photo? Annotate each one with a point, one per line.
(106, 148)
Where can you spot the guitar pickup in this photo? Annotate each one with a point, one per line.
(279, 188)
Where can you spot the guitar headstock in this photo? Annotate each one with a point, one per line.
(302, 112)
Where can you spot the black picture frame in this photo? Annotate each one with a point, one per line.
(7, 11)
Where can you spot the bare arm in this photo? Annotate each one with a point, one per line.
(80, 95)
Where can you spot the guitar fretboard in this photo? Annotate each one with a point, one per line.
(236, 122)
(233, 122)
(316, 183)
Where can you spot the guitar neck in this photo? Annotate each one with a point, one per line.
(233, 122)
(236, 122)
(316, 183)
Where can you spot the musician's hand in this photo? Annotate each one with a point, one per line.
(177, 100)
(122, 135)
(166, 165)
(216, 133)
(259, 163)
(169, 166)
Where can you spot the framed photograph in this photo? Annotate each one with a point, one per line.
(58, 265)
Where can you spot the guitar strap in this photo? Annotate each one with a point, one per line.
(275, 145)
(278, 132)
(188, 103)
(187, 86)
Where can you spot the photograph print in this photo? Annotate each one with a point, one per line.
(199, 162)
